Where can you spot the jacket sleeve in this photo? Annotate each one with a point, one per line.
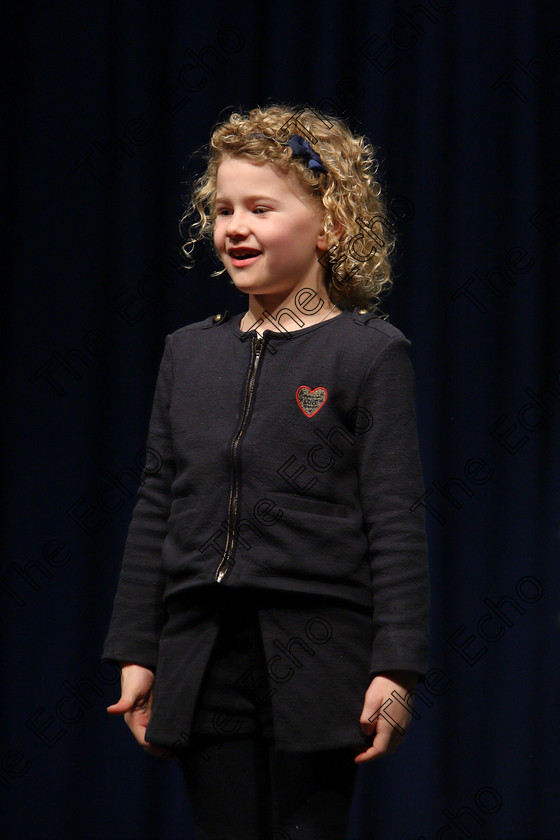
(391, 482)
(138, 611)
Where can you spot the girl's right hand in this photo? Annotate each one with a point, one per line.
(136, 703)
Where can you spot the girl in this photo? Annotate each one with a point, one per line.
(272, 609)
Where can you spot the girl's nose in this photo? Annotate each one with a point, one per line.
(237, 224)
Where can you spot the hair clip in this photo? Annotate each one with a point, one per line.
(300, 148)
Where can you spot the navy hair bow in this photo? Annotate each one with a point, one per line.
(300, 148)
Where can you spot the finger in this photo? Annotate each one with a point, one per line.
(130, 699)
(372, 712)
(162, 752)
(366, 755)
(368, 726)
(379, 748)
(373, 719)
(124, 704)
(138, 729)
(137, 721)
(386, 742)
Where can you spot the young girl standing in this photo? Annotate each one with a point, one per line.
(272, 610)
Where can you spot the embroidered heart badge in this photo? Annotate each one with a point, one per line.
(310, 401)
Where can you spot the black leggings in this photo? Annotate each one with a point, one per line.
(239, 787)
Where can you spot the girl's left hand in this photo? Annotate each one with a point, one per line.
(389, 720)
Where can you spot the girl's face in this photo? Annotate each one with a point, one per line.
(266, 214)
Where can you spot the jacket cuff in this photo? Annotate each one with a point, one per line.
(138, 656)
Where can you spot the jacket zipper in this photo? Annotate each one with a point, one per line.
(257, 346)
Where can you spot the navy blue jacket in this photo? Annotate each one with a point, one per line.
(287, 465)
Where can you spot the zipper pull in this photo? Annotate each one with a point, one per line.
(258, 342)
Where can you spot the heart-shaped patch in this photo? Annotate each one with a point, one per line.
(310, 401)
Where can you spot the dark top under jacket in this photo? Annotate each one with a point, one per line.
(287, 466)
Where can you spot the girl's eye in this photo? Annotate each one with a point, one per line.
(224, 211)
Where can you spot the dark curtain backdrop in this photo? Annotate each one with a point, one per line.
(106, 103)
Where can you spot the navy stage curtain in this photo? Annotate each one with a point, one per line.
(106, 103)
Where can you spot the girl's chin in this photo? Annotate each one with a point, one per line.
(272, 294)
(253, 287)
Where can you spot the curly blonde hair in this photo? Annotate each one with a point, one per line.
(357, 273)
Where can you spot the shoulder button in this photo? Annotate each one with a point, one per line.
(364, 316)
(217, 319)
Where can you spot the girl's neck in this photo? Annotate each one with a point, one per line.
(304, 309)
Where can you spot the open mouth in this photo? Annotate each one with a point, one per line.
(244, 257)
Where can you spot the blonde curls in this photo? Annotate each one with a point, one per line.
(357, 267)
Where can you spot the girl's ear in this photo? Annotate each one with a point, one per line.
(322, 237)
